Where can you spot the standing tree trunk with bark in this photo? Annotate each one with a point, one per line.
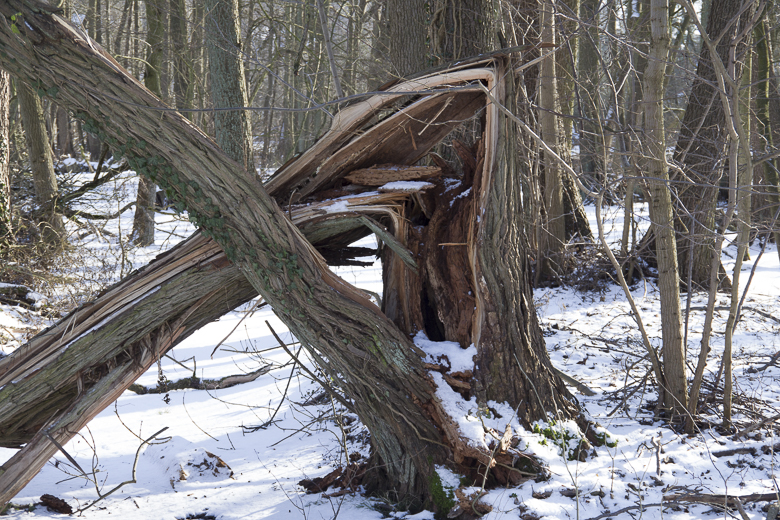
(588, 75)
(42, 166)
(661, 216)
(408, 34)
(143, 221)
(181, 66)
(6, 228)
(701, 145)
(226, 75)
(374, 364)
(554, 229)
(764, 77)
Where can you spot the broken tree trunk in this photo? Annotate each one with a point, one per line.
(375, 364)
(67, 366)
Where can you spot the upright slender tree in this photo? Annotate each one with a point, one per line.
(553, 238)
(661, 215)
(143, 221)
(6, 229)
(588, 75)
(42, 166)
(182, 69)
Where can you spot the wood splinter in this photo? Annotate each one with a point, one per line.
(381, 174)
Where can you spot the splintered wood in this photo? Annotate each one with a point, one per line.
(381, 174)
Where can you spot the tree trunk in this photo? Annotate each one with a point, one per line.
(374, 363)
(181, 66)
(408, 34)
(764, 122)
(459, 29)
(64, 136)
(226, 74)
(661, 217)
(41, 163)
(143, 220)
(6, 228)
(701, 145)
(588, 75)
(554, 228)
(197, 60)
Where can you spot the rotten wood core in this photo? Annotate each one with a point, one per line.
(281, 254)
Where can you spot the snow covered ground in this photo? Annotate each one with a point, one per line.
(213, 461)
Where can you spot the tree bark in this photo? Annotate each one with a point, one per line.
(143, 220)
(64, 136)
(554, 229)
(460, 29)
(181, 65)
(588, 75)
(408, 34)
(764, 121)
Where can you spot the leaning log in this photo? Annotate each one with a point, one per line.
(53, 385)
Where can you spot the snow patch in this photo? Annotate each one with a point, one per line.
(406, 186)
(179, 461)
(460, 359)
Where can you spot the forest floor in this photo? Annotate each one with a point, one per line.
(241, 452)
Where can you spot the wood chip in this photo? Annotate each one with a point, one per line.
(381, 174)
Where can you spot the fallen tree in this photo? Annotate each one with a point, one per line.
(367, 353)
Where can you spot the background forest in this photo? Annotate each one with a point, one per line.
(640, 190)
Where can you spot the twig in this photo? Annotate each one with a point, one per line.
(641, 507)
(192, 420)
(579, 386)
(270, 421)
(118, 486)
(755, 426)
(103, 153)
(252, 310)
(322, 383)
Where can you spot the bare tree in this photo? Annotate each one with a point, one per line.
(702, 143)
(661, 216)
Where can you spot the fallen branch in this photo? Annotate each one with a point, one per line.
(728, 500)
(194, 383)
(579, 386)
(695, 498)
(735, 451)
(755, 426)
